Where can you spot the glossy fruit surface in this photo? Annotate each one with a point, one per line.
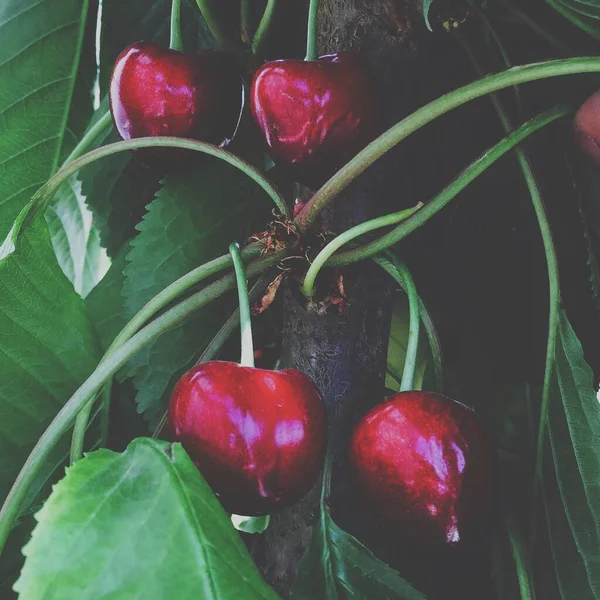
(257, 436)
(587, 126)
(425, 464)
(316, 115)
(157, 91)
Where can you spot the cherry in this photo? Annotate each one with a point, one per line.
(257, 436)
(587, 126)
(425, 463)
(157, 91)
(315, 116)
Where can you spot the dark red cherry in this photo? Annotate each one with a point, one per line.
(315, 116)
(157, 91)
(425, 465)
(257, 436)
(587, 126)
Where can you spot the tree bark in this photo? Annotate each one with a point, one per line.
(344, 352)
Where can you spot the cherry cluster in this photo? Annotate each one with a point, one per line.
(259, 437)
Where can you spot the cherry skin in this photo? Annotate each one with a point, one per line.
(587, 126)
(157, 91)
(257, 436)
(425, 464)
(315, 116)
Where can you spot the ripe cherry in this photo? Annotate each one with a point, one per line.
(587, 126)
(157, 91)
(315, 116)
(425, 463)
(257, 436)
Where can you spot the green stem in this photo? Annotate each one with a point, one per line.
(308, 288)
(526, 587)
(82, 421)
(328, 469)
(247, 354)
(224, 41)
(553, 277)
(214, 346)
(473, 171)
(412, 346)
(264, 27)
(147, 312)
(245, 22)
(101, 125)
(78, 439)
(109, 365)
(43, 196)
(432, 337)
(312, 52)
(105, 423)
(176, 39)
(497, 40)
(393, 136)
(403, 277)
(175, 290)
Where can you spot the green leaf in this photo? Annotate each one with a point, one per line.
(251, 524)
(336, 566)
(142, 524)
(193, 219)
(585, 15)
(39, 58)
(574, 431)
(105, 303)
(586, 183)
(48, 347)
(117, 190)
(82, 104)
(76, 239)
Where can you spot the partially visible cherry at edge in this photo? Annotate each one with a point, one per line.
(156, 91)
(315, 115)
(257, 436)
(587, 127)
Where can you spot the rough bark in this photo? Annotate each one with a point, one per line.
(344, 352)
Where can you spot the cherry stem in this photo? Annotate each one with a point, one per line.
(108, 366)
(247, 354)
(553, 279)
(312, 51)
(214, 346)
(264, 28)
(424, 115)
(517, 547)
(499, 45)
(44, 195)
(147, 312)
(397, 269)
(245, 22)
(101, 125)
(437, 203)
(176, 42)
(224, 41)
(432, 337)
(308, 287)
